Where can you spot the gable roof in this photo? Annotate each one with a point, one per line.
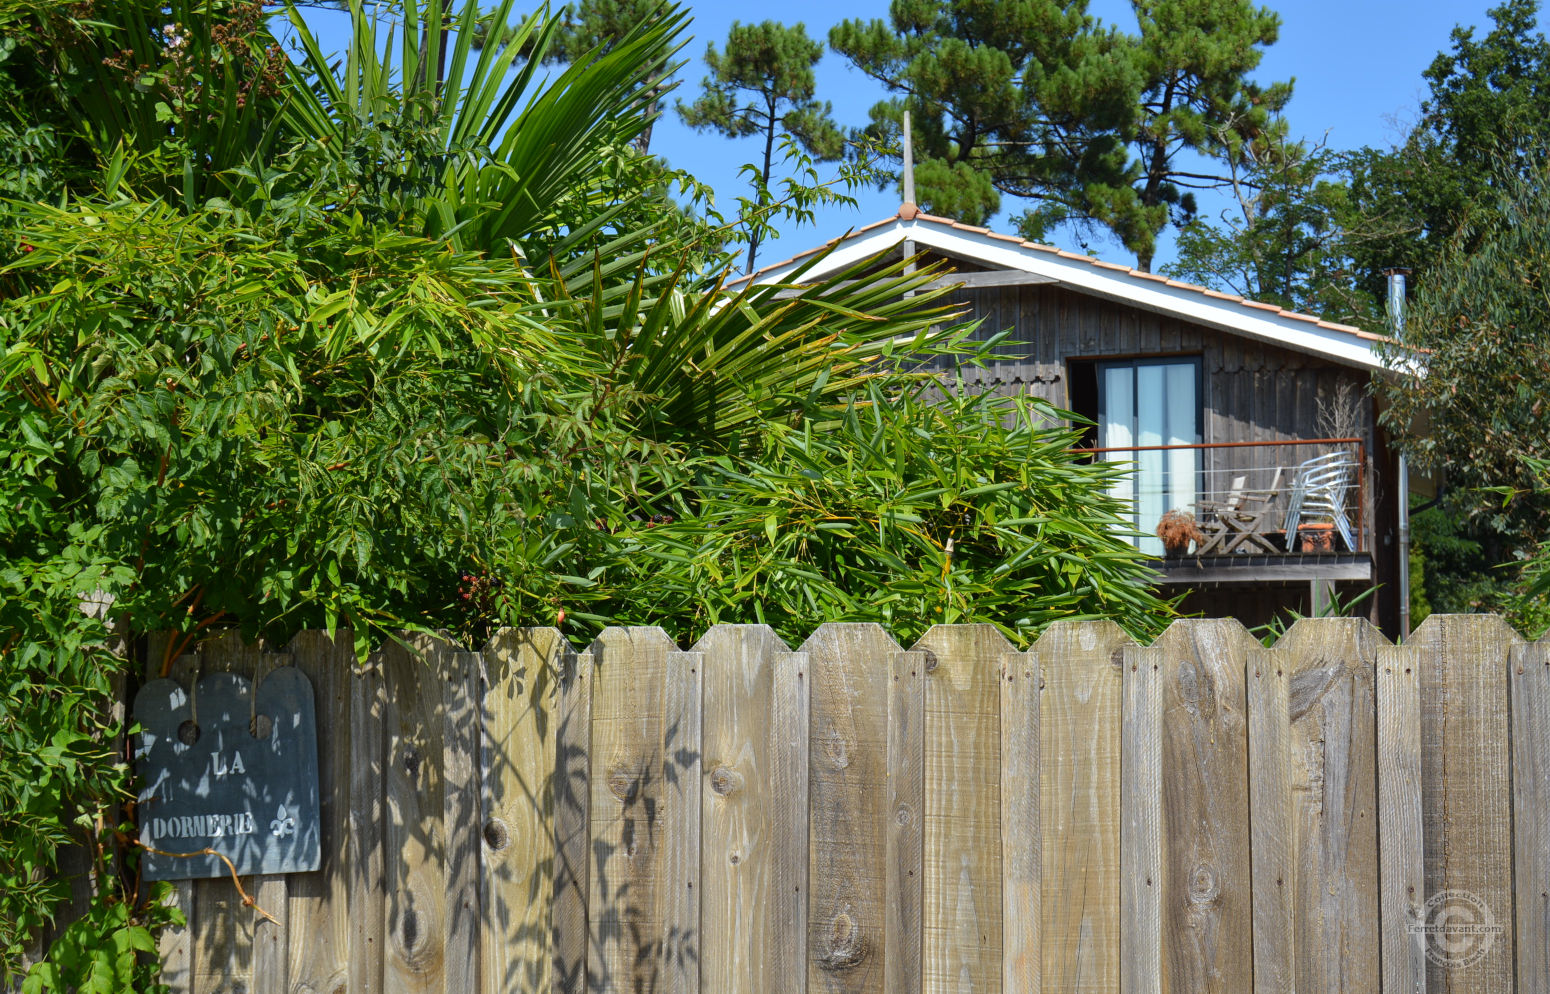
(1342, 343)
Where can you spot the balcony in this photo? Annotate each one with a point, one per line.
(1274, 511)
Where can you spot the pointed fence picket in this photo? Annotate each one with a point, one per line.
(1200, 814)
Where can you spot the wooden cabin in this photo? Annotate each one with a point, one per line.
(1253, 421)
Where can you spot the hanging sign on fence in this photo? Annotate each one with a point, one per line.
(231, 769)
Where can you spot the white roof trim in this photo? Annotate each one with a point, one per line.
(1086, 276)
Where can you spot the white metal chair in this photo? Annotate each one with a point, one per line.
(1319, 490)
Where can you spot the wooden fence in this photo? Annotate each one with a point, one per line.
(1202, 814)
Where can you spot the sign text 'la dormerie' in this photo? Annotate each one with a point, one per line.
(231, 769)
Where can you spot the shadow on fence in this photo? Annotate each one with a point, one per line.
(1091, 815)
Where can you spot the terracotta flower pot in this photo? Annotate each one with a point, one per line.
(1316, 537)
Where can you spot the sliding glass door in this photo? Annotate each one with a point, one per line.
(1144, 403)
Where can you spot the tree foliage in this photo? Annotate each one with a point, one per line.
(589, 26)
(1478, 415)
(1289, 238)
(439, 356)
(763, 86)
(1488, 101)
(1038, 100)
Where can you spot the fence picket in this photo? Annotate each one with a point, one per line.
(848, 667)
(518, 763)
(1271, 831)
(904, 862)
(1079, 747)
(1207, 942)
(415, 834)
(1466, 780)
(572, 793)
(1021, 832)
(1530, 676)
(1400, 853)
(962, 841)
(175, 944)
(1141, 828)
(463, 856)
(367, 844)
(635, 810)
(789, 807)
(319, 903)
(1333, 737)
(223, 928)
(739, 808)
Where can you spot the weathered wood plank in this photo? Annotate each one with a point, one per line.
(1079, 746)
(366, 850)
(1400, 852)
(414, 834)
(739, 808)
(1530, 682)
(520, 722)
(680, 895)
(1141, 825)
(1271, 828)
(463, 828)
(1022, 838)
(572, 824)
(1466, 781)
(1333, 717)
(223, 928)
(272, 939)
(1207, 889)
(904, 891)
(175, 945)
(848, 750)
(963, 852)
(319, 902)
(787, 907)
(637, 808)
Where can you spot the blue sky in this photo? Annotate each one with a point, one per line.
(1357, 66)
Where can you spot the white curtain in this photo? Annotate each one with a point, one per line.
(1150, 404)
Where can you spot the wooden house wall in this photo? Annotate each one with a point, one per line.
(1252, 391)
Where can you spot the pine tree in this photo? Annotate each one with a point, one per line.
(1037, 100)
(764, 85)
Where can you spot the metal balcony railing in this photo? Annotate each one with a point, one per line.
(1246, 497)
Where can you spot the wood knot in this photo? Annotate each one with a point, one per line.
(412, 761)
(496, 835)
(903, 815)
(724, 780)
(1204, 885)
(623, 784)
(847, 946)
(931, 662)
(834, 747)
(411, 929)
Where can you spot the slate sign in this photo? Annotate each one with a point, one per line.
(230, 771)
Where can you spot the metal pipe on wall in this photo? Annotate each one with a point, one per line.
(1396, 309)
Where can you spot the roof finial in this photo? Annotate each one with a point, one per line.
(909, 171)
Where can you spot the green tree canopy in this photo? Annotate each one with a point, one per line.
(1488, 100)
(1289, 237)
(1038, 100)
(1479, 413)
(763, 86)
